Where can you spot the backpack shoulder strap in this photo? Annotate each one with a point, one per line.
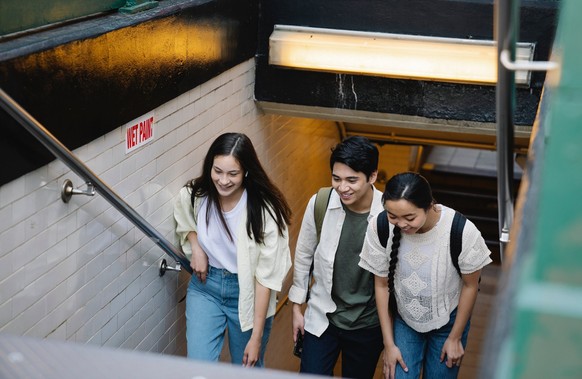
(320, 207)
(383, 227)
(456, 243)
(321, 202)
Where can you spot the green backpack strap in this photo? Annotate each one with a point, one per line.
(321, 202)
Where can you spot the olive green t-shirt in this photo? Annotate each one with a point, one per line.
(353, 287)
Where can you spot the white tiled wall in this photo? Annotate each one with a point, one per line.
(81, 272)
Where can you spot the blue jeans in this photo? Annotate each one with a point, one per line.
(423, 350)
(360, 350)
(211, 308)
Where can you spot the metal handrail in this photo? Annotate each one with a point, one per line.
(507, 24)
(505, 30)
(61, 152)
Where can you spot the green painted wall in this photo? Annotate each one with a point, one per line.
(547, 341)
(19, 15)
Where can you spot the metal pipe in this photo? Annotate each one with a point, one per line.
(507, 20)
(427, 141)
(508, 63)
(61, 152)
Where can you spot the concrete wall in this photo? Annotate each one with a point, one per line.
(81, 272)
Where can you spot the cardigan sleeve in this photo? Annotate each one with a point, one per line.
(274, 256)
(374, 257)
(185, 219)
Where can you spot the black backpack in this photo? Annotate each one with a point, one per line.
(456, 243)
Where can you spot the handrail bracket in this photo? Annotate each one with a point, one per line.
(67, 190)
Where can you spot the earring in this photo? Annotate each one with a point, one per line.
(246, 174)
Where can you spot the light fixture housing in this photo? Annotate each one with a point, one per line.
(391, 55)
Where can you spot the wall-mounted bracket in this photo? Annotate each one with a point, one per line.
(67, 191)
(164, 267)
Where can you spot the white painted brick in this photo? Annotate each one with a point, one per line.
(125, 314)
(6, 268)
(91, 249)
(6, 312)
(132, 324)
(165, 110)
(81, 316)
(6, 219)
(12, 191)
(116, 340)
(111, 254)
(51, 322)
(57, 169)
(11, 239)
(101, 162)
(115, 274)
(60, 333)
(36, 179)
(96, 339)
(56, 297)
(117, 303)
(109, 329)
(29, 250)
(28, 318)
(23, 207)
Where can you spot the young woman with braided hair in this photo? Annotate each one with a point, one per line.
(424, 305)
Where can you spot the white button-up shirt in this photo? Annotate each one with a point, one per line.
(323, 255)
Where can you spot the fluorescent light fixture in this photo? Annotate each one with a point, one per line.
(391, 55)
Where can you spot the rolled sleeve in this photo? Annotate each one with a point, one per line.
(374, 257)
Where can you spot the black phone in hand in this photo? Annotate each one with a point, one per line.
(298, 346)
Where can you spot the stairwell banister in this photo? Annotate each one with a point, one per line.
(61, 152)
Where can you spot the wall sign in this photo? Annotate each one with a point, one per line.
(139, 132)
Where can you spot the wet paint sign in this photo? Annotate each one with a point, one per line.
(139, 132)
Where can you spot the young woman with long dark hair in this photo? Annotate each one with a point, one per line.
(232, 223)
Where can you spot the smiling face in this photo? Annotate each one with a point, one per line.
(407, 216)
(227, 176)
(354, 189)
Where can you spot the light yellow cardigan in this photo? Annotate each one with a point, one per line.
(267, 263)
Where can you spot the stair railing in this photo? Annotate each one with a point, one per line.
(93, 181)
(507, 26)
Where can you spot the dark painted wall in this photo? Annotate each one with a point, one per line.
(442, 18)
(85, 80)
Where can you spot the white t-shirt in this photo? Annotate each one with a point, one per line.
(213, 238)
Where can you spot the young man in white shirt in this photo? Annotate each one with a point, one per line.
(341, 311)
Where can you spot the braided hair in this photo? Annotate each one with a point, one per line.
(392, 267)
(414, 188)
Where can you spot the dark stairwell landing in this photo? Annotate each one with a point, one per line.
(465, 179)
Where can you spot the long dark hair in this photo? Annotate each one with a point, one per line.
(414, 188)
(262, 194)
